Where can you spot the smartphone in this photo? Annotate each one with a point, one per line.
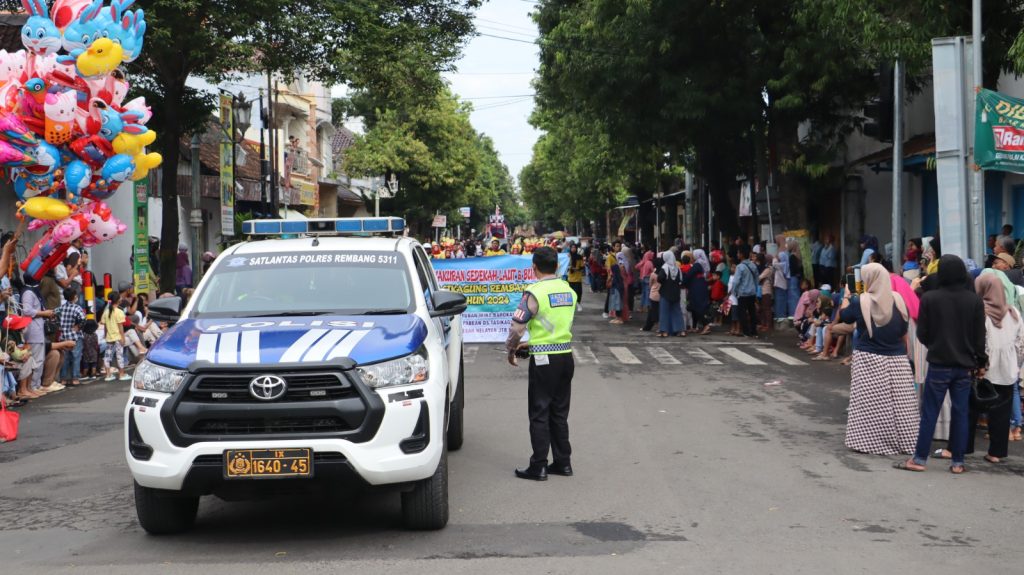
(850, 283)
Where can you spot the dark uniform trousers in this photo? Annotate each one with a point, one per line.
(548, 398)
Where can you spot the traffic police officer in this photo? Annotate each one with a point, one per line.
(546, 311)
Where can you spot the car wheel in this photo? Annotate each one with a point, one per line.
(426, 506)
(164, 512)
(458, 404)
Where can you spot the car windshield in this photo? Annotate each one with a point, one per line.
(306, 283)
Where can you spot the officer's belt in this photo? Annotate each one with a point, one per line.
(551, 347)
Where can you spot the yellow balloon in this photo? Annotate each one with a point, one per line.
(43, 208)
(144, 163)
(102, 57)
(131, 144)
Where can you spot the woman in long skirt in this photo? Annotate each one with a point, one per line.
(883, 415)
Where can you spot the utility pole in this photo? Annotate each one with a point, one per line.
(897, 162)
(976, 234)
(196, 216)
(272, 159)
(264, 198)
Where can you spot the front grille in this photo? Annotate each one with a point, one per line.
(269, 425)
(301, 387)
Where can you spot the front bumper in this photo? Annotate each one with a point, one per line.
(374, 459)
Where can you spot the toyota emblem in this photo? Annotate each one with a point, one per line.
(267, 387)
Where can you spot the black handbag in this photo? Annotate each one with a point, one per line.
(984, 395)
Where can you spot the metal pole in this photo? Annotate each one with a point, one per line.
(897, 163)
(196, 216)
(657, 223)
(263, 161)
(977, 233)
(376, 204)
(272, 156)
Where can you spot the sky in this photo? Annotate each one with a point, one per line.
(495, 73)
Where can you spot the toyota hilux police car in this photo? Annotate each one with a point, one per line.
(326, 360)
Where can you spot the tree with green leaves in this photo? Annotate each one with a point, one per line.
(362, 43)
(742, 87)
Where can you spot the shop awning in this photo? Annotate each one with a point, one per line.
(918, 154)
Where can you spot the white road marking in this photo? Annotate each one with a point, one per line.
(584, 355)
(703, 356)
(250, 351)
(469, 354)
(624, 355)
(740, 356)
(344, 349)
(298, 349)
(320, 348)
(662, 355)
(227, 349)
(783, 357)
(206, 350)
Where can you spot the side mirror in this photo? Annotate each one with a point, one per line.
(446, 303)
(167, 309)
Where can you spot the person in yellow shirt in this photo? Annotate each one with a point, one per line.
(577, 263)
(113, 325)
(494, 249)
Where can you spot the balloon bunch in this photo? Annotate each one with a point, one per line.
(68, 138)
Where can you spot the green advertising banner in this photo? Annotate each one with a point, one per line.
(999, 132)
(141, 244)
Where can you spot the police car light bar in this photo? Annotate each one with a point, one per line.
(324, 226)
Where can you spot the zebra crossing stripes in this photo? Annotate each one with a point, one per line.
(784, 358)
(662, 356)
(703, 356)
(583, 355)
(744, 358)
(624, 356)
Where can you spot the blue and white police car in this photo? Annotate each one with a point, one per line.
(321, 354)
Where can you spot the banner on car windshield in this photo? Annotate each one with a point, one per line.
(493, 287)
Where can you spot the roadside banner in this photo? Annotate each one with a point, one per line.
(493, 287)
(140, 248)
(440, 221)
(999, 132)
(227, 167)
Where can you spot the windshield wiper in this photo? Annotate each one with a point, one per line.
(385, 311)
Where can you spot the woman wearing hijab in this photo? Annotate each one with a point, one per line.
(654, 310)
(670, 314)
(698, 297)
(882, 416)
(183, 276)
(645, 269)
(1004, 344)
(624, 266)
(951, 324)
(804, 315)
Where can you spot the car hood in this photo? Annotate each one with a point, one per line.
(272, 340)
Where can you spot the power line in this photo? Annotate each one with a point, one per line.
(532, 35)
(500, 97)
(534, 43)
(513, 26)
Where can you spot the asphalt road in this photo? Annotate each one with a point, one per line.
(685, 462)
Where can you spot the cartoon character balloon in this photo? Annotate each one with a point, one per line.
(70, 135)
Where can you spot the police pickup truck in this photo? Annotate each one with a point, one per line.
(320, 355)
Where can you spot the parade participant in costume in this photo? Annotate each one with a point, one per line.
(494, 249)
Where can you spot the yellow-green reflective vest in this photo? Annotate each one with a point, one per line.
(551, 327)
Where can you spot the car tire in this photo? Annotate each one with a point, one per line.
(455, 420)
(164, 512)
(426, 506)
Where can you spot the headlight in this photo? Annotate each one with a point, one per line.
(152, 377)
(402, 371)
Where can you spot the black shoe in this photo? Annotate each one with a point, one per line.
(533, 473)
(565, 470)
